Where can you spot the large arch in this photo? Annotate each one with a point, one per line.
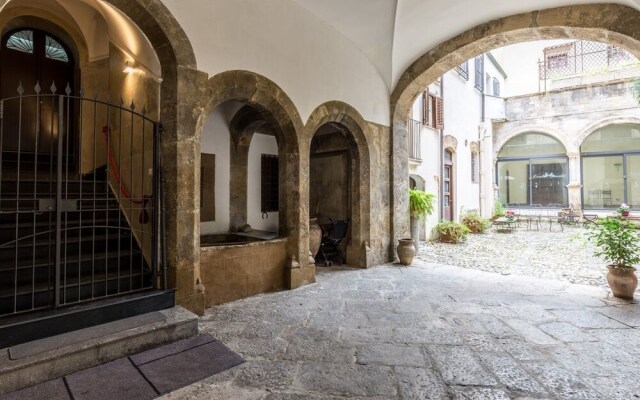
(505, 138)
(612, 23)
(343, 114)
(178, 100)
(586, 132)
(276, 106)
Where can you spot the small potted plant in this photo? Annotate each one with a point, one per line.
(421, 205)
(623, 210)
(452, 232)
(618, 243)
(498, 210)
(475, 223)
(510, 215)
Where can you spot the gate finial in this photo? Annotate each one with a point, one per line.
(20, 89)
(67, 90)
(132, 106)
(53, 87)
(37, 87)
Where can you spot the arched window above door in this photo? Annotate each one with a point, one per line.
(55, 51)
(21, 41)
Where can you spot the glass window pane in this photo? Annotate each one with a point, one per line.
(55, 51)
(513, 182)
(603, 183)
(548, 180)
(633, 181)
(621, 137)
(21, 41)
(531, 144)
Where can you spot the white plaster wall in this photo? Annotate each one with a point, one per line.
(260, 144)
(216, 140)
(462, 115)
(311, 61)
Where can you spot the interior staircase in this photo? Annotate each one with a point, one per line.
(99, 257)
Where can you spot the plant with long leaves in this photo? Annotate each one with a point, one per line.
(421, 203)
(617, 241)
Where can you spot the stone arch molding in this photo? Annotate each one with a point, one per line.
(450, 142)
(504, 139)
(278, 109)
(180, 82)
(612, 23)
(342, 113)
(582, 135)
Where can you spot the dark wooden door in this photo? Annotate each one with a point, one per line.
(29, 57)
(447, 186)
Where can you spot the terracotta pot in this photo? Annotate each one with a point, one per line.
(315, 237)
(622, 281)
(625, 213)
(406, 251)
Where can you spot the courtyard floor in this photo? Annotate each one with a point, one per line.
(429, 331)
(567, 255)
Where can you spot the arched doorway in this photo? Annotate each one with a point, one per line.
(448, 185)
(533, 171)
(610, 159)
(579, 22)
(30, 61)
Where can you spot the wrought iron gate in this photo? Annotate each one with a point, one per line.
(79, 200)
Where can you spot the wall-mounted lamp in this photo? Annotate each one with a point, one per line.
(129, 67)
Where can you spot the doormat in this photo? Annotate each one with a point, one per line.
(145, 375)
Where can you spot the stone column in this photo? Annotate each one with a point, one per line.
(239, 178)
(574, 188)
(399, 185)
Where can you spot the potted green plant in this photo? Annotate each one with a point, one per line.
(498, 210)
(618, 243)
(421, 205)
(452, 232)
(624, 210)
(475, 223)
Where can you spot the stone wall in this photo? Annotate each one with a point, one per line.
(233, 272)
(568, 114)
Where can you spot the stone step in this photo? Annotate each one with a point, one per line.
(45, 359)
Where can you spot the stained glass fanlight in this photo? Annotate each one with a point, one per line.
(55, 51)
(21, 41)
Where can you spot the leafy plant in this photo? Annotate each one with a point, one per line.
(617, 240)
(498, 210)
(475, 223)
(421, 203)
(452, 232)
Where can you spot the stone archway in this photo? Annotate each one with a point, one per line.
(503, 139)
(178, 101)
(275, 106)
(342, 114)
(612, 23)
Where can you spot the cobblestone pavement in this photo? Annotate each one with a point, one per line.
(566, 256)
(428, 331)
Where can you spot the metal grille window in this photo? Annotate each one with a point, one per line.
(55, 51)
(557, 60)
(463, 70)
(21, 41)
(479, 76)
(496, 87)
(269, 183)
(474, 167)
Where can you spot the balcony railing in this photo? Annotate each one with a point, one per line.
(414, 139)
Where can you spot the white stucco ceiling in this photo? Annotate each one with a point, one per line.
(394, 33)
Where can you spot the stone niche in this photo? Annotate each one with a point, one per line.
(234, 272)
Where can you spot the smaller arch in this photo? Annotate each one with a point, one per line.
(450, 142)
(502, 139)
(420, 182)
(277, 109)
(337, 112)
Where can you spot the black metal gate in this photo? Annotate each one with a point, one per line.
(79, 216)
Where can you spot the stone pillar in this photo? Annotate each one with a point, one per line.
(238, 183)
(181, 166)
(399, 186)
(574, 188)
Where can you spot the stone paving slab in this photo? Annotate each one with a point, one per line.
(481, 335)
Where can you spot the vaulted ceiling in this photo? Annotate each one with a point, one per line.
(394, 33)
